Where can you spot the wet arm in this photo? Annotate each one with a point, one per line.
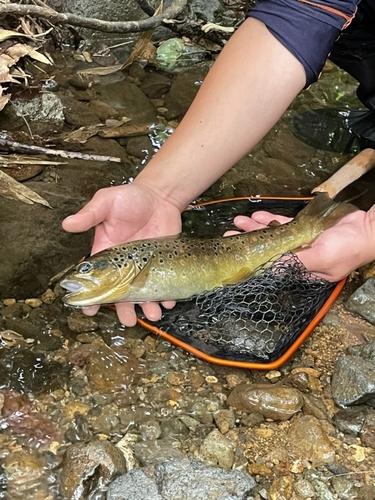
(249, 87)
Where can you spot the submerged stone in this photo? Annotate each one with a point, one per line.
(218, 450)
(87, 468)
(174, 53)
(184, 479)
(25, 371)
(276, 402)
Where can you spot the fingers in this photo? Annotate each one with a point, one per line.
(91, 310)
(247, 223)
(89, 216)
(265, 218)
(152, 310)
(126, 314)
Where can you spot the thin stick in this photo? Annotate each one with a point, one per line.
(25, 148)
(91, 23)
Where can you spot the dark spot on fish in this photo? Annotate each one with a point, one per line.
(130, 256)
(161, 261)
(144, 259)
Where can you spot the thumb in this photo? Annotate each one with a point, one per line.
(89, 216)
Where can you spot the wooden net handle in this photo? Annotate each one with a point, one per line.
(348, 173)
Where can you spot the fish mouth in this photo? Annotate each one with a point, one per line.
(71, 286)
(75, 290)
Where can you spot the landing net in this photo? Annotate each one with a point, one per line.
(256, 320)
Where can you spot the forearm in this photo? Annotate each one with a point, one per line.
(249, 87)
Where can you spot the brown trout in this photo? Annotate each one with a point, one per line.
(175, 268)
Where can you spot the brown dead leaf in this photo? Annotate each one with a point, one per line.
(15, 52)
(11, 189)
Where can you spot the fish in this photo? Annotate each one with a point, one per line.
(180, 267)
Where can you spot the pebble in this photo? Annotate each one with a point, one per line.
(225, 420)
(34, 303)
(48, 296)
(217, 450)
(281, 488)
(175, 378)
(351, 420)
(9, 302)
(80, 323)
(304, 488)
(273, 374)
(275, 402)
(310, 441)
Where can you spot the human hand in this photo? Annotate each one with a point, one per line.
(126, 213)
(336, 252)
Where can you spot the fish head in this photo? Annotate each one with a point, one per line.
(104, 278)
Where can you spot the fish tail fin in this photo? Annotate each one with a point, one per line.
(329, 212)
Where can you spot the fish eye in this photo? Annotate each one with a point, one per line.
(85, 267)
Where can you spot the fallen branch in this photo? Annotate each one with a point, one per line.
(91, 23)
(25, 148)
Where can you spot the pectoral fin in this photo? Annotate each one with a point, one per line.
(243, 274)
(140, 280)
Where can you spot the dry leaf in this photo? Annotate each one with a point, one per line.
(11, 189)
(39, 57)
(3, 100)
(82, 134)
(6, 34)
(100, 70)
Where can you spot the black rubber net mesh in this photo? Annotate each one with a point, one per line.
(256, 320)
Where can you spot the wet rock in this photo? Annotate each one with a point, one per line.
(25, 473)
(79, 323)
(216, 449)
(111, 369)
(284, 146)
(276, 402)
(174, 54)
(103, 111)
(183, 90)
(28, 427)
(281, 488)
(322, 490)
(27, 371)
(155, 85)
(150, 430)
(353, 381)
(225, 420)
(140, 147)
(44, 113)
(304, 488)
(366, 351)
(362, 301)
(183, 479)
(129, 101)
(78, 113)
(351, 420)
(87, 468)
(151, 452)
(310, 441)
(79, 430)
(344, 487)
(368, 436)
